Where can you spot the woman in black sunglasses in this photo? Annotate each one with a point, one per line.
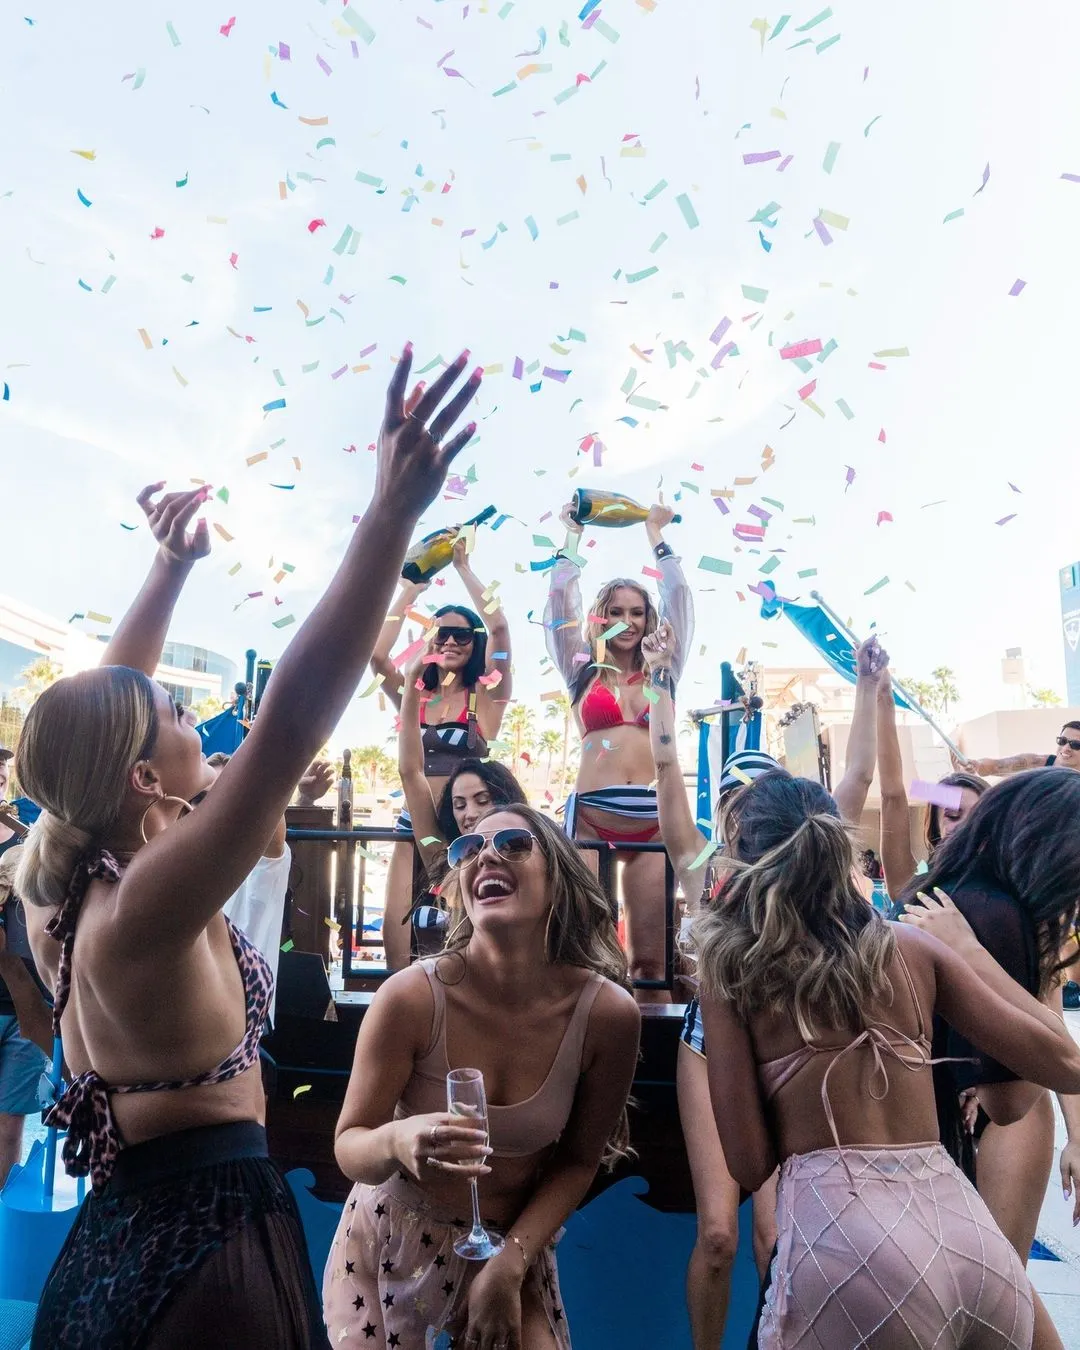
(1011, 869)
(532, 990)
(468, 684)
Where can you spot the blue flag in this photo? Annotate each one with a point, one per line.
(221, 734)
(820, 631)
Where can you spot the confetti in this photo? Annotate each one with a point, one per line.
(953, 215)
(284, 623)
(717, 565)
(877, 586)
(807, 348)
(761, 157)
(830, 156)
(83, 197)
(1017, 286)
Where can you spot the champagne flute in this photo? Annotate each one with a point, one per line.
(465, 1098)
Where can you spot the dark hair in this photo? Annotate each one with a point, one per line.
(504, 788)
(793, 934)
(972, 782)
(1022, 837)
(475, 666)
(1071, 726)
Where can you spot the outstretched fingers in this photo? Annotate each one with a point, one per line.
(432, 397)
(399, 383)
(448, 452)
(444, 422)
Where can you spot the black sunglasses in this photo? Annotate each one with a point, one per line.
(462, 637)
(1064, 740)
(513, 844)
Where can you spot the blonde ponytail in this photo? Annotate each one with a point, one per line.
(47, 859)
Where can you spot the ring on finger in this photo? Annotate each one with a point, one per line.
(433, 1162)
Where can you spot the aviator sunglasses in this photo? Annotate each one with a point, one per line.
(1064, 740)
(513, 844)
(461, 637)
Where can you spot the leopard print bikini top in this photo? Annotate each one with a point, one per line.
(93, 1140)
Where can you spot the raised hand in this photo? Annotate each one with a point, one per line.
(871, 660)
(658, 647)
(412, 461)
(461, 553)
(660, 516)
(566, 516)
(316, 782)
(169, 518)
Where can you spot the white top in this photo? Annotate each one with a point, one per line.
(258, 909)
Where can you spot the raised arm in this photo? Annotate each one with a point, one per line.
(851, 792)
(682, 838)
(489, 607)
(188, 871)
(749, 1150)
(1001, 768)
(977, 998)
(140, 635)
(417, 789)
(381, 664)
(562, 614)
(676, 598)
(896, 856)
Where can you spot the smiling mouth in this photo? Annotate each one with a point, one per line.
(492, 889)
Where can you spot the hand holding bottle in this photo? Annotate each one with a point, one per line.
(412, 462)
(574, 530)
(659, 516)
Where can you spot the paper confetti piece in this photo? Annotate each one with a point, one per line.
(944, 795)
(761, 156)
(304, 1087)
(985, 180)
(755, 293)
(718, 565)
(893, 351)
(877, 586)
(830, 156)
(703, 857)
(809, 347)
(94, 617)
(1005, 519)
(883, 516)
(226, 28)
(866, 129)
(953, 215)
(359, 25)
(172, 33)
(1017, 286)
(843, 406)
(223, 532)
(274, 405)
(83, 197)
(92, 155)
(284, 623)
(179, 378)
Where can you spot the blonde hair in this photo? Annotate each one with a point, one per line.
(78, 745)
(596, 623)
(791, 933)
(581, 926)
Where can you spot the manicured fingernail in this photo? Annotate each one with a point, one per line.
(408, 349)
(477, 373)
(201, 523)
(470, 429)
(465, 355)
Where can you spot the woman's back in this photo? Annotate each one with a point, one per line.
(879, 1087)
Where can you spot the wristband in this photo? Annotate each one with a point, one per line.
(661, 678)
(662, 550)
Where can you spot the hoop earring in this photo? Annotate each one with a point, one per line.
(547, 936)
(160, 801)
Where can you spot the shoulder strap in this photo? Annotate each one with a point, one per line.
(912, 992)
(573, 1041)
(97, 866)
(438, 1019)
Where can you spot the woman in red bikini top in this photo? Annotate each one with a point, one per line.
(602, 664)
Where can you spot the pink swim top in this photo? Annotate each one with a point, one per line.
(525, 1127)
(911, 1052)
(93, 1141)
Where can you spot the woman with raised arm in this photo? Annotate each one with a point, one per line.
(605, 675)
(1011, 869)
(474, 787)
(716, 1193)
(531, 990)
(897, 857)
(467, 695)
(817, 1013)
(191, 1233)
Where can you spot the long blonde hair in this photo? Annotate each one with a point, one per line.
(596, 623)
(581, 925)
(78, 745)
(791, 932)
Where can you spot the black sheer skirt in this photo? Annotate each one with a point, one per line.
(195, 1241)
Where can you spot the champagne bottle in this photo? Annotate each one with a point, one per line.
(434, 552)
(609, 509)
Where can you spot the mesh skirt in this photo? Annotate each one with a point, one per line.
(195, 1240)
(909, 1259)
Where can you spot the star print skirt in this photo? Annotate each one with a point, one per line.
(393, 1279)
(195, 1240)
(906, 1258)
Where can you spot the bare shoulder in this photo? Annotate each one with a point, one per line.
(614, 1013)
(406, 994)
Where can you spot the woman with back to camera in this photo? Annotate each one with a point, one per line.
(613, 799)
(467, 696)
(716, 1193)
(532, 990)
(474, 787)
(817, 1012)
(190, 1229)
(1011, 869)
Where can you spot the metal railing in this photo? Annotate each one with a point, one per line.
(347, 908)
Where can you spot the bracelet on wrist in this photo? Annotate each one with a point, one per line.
(662, 550)
(520, 1246)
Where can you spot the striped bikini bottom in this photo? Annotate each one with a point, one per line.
(637, 804)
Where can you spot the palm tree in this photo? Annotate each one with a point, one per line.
(945, 679)
(208, 707)
(559, 706)
(520, 723)
(1044, 698)
(549, 741)
(373, 761)
(36, 678)
(929, 695)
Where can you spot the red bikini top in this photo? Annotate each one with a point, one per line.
(600, 710)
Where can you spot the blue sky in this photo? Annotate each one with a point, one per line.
(984, 399)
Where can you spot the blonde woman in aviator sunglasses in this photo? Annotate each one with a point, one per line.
(532, 990)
